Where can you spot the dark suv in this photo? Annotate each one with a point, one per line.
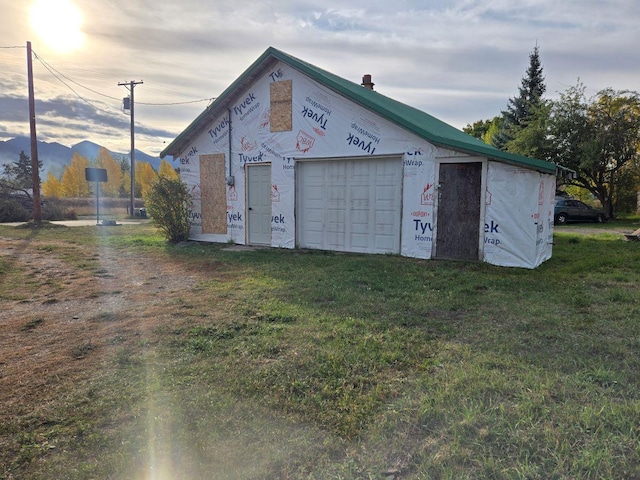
(570, 210)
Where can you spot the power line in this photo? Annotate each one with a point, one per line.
(15, 46)
(52, 69)
(49, 67)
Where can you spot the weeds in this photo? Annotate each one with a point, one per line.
(32, 324)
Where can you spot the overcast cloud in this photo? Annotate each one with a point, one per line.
(458, 60)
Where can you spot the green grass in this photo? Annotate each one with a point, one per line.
(290, 364)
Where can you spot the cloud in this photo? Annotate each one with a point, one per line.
(459, 60)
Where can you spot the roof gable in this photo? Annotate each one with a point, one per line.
(416, 121)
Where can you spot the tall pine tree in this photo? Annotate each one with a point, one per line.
(17, 175)
(523, 108)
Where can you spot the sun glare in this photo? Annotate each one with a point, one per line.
(57, 23)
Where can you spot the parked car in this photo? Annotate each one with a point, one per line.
(570, 210)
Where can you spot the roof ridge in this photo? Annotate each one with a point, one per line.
(410, 118)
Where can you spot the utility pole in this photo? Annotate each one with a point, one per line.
(130, 86)
(35, 164)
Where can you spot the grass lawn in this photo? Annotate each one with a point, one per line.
(303, 365)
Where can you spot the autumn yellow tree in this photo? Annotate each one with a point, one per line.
(145, 175)
(126, 177)
(74, 183)
(52, 187)
(110, 188)
(167, 171)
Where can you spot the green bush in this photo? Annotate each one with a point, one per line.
(52, 211)
(12, 211)
(168, 203)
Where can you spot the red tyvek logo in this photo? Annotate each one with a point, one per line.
(304, 142)
(427, 197)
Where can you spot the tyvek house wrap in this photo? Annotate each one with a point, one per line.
(325, 125)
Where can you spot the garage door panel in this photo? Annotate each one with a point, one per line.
(358, 202)
(360, 217)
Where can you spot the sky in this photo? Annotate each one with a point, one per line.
(458, 60)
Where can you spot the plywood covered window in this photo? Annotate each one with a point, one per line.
(281, 106)
(213, 188)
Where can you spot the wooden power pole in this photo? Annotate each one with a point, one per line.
(35, 164)
(130, 86)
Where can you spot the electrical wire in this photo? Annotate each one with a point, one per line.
(49, 67)
(54, 72)
(52, 69)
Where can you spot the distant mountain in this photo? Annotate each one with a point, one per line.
(55, 157)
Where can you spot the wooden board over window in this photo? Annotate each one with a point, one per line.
(281, 106)
(213, 187)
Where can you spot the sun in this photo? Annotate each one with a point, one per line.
(57, 23)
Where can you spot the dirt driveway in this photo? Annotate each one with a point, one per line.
(65, 317)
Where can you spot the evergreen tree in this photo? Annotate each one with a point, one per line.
(17, 175)
(521, 109)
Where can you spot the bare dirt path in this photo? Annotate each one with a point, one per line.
(65, 319)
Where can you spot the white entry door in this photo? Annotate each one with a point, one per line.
(259, 204)
(350, 205)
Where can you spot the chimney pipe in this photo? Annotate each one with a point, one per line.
(366, 82)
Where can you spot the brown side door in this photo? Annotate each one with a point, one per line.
(458, 222)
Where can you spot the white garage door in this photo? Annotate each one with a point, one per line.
(349, 205)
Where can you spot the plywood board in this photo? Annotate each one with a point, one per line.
(281, 106)
(213, 188)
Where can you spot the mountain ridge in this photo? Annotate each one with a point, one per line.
(55, 157)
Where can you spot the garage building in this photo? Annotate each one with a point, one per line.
(292, 156)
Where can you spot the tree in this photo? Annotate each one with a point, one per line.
(113, 185)
(16, 184)
(52, 187)
(168, 202)
(145, 175)
(478, 129)
(522, 108)
(167, 171)
(125, 168)
(18, 175)
(484, 130)
(599, 138)
(532, 140)
(74, 183)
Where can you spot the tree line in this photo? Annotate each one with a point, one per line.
(596, 137)
(72, 182)
(16, 177)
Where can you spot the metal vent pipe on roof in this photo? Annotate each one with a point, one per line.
(366, 82)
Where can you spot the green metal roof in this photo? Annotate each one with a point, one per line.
(416, 121)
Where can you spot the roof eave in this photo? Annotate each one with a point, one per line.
(363, 98)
